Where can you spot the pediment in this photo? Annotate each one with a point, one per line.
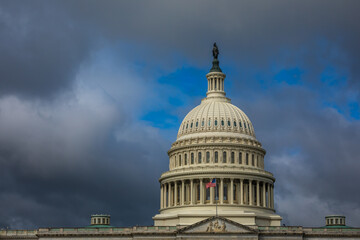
(218, 225)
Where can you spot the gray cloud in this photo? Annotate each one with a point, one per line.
(312, 152)
(66, 154)
(43, 45)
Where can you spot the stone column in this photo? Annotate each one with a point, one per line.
(231, 191)
(164, 195)
(176, 194)
(241, 191)
(268, 195)
(250, 193)
(161, 196)
(237, 193)
(191, 192)
(264, 195)
(258, 193)
(221, 192)
(272, 195)
(182, 200)
(201, 191)
(171, 195)
(167, 195)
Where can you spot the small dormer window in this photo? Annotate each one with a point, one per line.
(202, 123)
(187, 126)
(197, 124)
(234, 124)
(240, 124)
(209, 122)
(191, 125)
(222, 123)
(215, 122)
(229, 124)
(245, 125)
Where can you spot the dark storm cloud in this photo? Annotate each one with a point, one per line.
(41, 48)
(44, 44)
(81, 165)
(69, 159)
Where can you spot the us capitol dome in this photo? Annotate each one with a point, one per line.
(216, 140)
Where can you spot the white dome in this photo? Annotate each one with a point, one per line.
(216, 115)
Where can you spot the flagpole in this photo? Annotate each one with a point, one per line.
(216, 199)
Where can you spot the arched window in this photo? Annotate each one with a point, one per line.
(245, 125)
(191, 125)
(229, 124)
(187, 126)
(240, 124)
(207, 157)
(240, 158)
(232, 157)
(234, 124)
(253, 160)
(185, 160)
(202, 123)
(224, 157)
(247, 159)
(197, 124)
(209, 122)
(222, 122)
(179, 160)
(192, 158)
(175, 162)
(215, 122)
(199, 157)
(216, 157)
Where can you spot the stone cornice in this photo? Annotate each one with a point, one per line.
(214, 145)
(206, 173)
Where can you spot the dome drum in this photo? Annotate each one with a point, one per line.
(216, 156)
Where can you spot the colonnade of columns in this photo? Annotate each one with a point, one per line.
(227, 191)
(215, 84)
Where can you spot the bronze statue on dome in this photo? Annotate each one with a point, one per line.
(215, 51)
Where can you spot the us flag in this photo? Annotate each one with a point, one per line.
(212, 183)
